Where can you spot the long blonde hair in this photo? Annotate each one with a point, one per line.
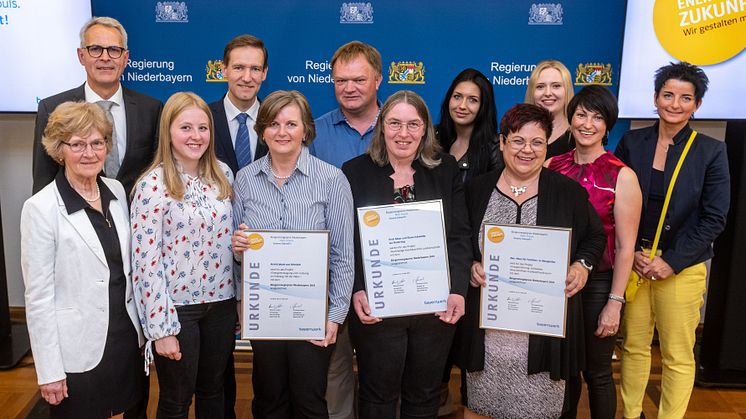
(566, 80)
(208, 166)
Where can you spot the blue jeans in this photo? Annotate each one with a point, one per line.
(206, 341)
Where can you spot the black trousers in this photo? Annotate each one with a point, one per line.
(598, 374)
(205, 340)
(289, 379)
(400, 357)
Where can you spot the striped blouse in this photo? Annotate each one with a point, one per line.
(315, 197)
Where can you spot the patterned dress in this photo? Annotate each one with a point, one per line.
(503, 389)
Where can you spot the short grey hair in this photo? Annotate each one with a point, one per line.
(103, 21)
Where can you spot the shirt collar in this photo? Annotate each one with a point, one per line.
(93, 97)
(231, 111)
(338, 116)
(72, 199)
(303, 164)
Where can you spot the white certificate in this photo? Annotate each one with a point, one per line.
(285, 280)
(525, 268)
(405, 258)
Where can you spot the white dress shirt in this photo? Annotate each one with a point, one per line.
(117, 112)
(231, 112)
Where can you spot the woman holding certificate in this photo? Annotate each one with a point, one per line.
(615, 195)
(672, 275)
(514, 374)
(183, 267)
(289, 189)
(403, 357)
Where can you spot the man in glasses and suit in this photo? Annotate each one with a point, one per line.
(103, 53)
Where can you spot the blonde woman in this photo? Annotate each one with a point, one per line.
(550, 86)
(181, 252)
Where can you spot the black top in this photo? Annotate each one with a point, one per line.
(561, 145)
(700, 200)
(477, 160)
(371, 184)
(651, 217)
(562, 202)
(121, 358)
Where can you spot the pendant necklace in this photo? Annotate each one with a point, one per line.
(516, 190)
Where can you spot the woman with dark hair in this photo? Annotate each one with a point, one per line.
(615, 194)
(468, 124)
(672, 281)
(403, 357)
(550, 86)
(513, 374)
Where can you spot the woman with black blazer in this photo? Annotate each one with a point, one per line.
(673, 282)
(403, 357)
(526, 193)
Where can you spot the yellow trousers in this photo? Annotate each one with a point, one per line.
(672, 307)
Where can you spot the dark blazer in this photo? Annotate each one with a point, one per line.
(562, 202)
(224, 143)
(701, 197)
(371, 185)
(142, 113)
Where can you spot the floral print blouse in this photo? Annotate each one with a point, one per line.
(181, 250)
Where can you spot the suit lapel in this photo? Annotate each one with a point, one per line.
(130, 112)
(223, 139)
(79, 222)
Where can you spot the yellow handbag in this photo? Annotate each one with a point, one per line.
(635, 281)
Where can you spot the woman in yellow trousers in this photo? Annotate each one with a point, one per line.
(673, 281)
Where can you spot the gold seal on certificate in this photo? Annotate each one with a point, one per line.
(405, 258)
(525, 269)
(285, 281)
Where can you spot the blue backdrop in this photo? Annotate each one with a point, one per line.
(175, 44)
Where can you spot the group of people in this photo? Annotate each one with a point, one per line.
(132, 241)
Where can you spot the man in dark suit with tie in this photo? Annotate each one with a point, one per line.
(103, 52)
(245, 68)
(236, 142)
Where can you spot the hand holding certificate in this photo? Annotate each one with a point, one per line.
(525, 269)
(405, 258)
(285, 281)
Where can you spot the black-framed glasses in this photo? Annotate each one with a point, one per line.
(96, 51)
(81, 146)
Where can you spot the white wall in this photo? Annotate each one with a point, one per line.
(16, 137)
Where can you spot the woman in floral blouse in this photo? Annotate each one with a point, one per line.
(182, 264)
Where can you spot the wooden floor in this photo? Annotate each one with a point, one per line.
(19, 393)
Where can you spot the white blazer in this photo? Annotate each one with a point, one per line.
(67, 282)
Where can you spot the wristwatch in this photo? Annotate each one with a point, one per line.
(585, 264)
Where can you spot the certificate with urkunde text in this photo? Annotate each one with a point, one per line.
(525, 269)
(285, 281)
(405, 258)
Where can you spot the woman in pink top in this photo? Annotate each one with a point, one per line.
(615, 194)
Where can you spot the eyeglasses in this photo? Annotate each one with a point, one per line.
(96, 51)
(81, 146)
(396, 126)
(518, 144)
